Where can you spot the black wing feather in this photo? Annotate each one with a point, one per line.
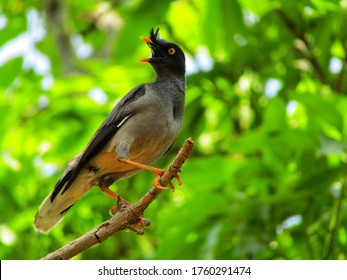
(105, 132)
(61, 183)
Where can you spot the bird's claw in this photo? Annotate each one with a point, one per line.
(157, 181)
(121, 205)
(113, 210)
(142, 222)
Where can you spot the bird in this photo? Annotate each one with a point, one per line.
(140, 129)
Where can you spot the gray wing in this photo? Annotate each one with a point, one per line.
(105, 132)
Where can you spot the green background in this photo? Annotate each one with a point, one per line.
(265, 103)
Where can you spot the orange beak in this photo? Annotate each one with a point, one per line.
(145, 59)
(147, 41)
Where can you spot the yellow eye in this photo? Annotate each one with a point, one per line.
(171, 51)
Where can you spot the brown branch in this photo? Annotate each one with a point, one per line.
(127, 216)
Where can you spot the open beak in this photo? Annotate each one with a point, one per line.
(156, 51)
(148, 41)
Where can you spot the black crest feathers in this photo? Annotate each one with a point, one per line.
(154, 36)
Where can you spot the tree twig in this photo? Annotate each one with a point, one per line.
(127, 216)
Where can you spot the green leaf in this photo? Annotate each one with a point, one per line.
(275, 116)
(223, 19)
(321, 109)
(9, 72)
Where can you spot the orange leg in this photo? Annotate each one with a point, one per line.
(110, 193)
(143, 166)
(107, 191)
(157, 171)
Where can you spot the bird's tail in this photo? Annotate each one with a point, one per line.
(59, 201)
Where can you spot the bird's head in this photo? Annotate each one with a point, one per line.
(167, 58)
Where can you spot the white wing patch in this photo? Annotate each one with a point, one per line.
(123, 121)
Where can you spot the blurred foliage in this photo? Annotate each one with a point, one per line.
(266, 105)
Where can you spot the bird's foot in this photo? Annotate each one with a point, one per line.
(157, 181)
(121, 205)
(140, 222)
(138, 226)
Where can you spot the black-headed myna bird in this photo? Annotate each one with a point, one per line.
(140, 129)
